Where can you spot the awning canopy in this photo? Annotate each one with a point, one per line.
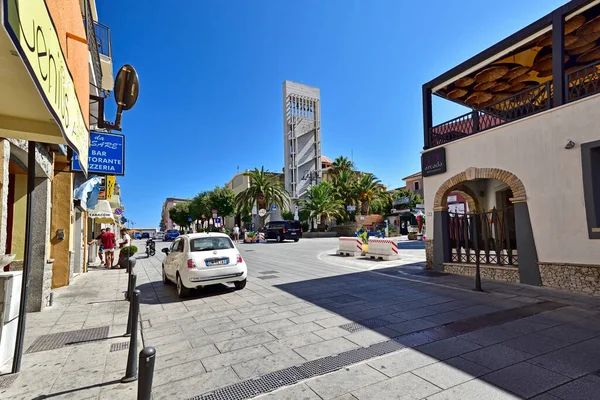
(87, 193)
(102, 213)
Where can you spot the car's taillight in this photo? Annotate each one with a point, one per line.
(300, 229)
(240, 259)
(283, 230)
(191, 263)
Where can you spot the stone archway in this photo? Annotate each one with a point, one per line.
(469, 195)
(440, 249)
(518, 189)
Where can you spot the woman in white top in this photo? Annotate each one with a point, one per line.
(125, 239)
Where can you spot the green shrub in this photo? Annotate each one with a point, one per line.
(305, 227)
(364, 236)
(287, 215)
(128, 251)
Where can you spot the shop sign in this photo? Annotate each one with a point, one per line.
(106, 154)
(110, 186)
(32, 32)
(402, 200)
(433, 162)
(452, 199)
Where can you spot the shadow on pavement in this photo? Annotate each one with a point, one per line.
(158, 293)
(392, 314)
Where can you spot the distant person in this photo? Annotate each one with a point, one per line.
(100, 248)
(236, 233)
(125, 239)
(109, 241)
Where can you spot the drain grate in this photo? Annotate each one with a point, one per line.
(264, 277)
(289, 376)
(345, 298)
(367, 323)
(119, 346)
(62, 339)
(7, 380)
(268, 272)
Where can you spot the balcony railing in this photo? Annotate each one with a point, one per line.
(583, 82)
(103, 39)
(517, 106)
(92, 39)
(579, 84)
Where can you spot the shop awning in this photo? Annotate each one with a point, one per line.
(87, 193)
(102, 213)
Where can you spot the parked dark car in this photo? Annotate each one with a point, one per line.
(171, 234)
(145, 235)
(283, 230)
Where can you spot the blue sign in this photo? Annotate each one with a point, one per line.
(189, 219)
(106, 155)
(118, 211)
(217, 220)
(273, 207)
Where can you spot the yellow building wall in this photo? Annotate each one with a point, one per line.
(62, 190)
(19, 217)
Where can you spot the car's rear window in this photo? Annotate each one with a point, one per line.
(210, 243)
(295, 224)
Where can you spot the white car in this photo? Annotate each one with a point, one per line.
(202, 259)
(159, 236)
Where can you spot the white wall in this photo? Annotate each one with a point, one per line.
(534, 150)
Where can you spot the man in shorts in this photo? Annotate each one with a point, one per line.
(236, 233)
(108, 241)
(100, 249)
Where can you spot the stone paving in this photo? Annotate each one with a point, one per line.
(78, 371)
(302, 306)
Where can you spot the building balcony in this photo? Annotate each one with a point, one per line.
(98, 37)
(552, 62)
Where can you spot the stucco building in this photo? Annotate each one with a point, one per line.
(169, 203)
(526, 157)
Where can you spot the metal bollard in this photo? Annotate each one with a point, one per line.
(146, 368)
(475, 221)
(131, 370)
(130, 323)
(131, 283)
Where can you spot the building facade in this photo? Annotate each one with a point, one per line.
(169, 203)
(526, 157)
(301, 137)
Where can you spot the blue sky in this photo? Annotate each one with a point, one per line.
(211, 75)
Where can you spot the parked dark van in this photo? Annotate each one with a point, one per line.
(283, 230)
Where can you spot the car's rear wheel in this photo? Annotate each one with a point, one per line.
(182, 291)
(295, 240)
(239, 285)
(164, 276)
(279, 238)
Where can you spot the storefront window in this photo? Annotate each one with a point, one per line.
(590, 156)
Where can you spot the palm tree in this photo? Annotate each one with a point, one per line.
(265, 189)
(369, 189)
(344, 187)
(342, 164)
(321, 203)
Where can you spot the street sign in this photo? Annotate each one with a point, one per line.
(106, 154)
(118, 211)
(262, 212)
(273, 207)
(217, 220)
(215, 212)
(190, 219)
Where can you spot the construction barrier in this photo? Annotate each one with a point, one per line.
(349, 246)
(383, 249)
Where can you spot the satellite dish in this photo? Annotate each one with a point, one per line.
(127, 87)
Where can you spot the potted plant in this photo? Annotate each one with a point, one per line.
(365, 240)
(127, 256)
(251, 237)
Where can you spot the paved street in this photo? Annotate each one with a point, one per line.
(310, 325)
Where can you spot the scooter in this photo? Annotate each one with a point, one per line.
(150, 248)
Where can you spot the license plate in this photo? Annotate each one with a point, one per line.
(293, 233)
(222, 261)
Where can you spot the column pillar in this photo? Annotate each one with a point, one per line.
(4, 160)
(41, 271)
(529, 271)
(441, 249)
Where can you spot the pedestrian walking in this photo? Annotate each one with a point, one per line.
(236, 233)
(109, 241)
(100, 248)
